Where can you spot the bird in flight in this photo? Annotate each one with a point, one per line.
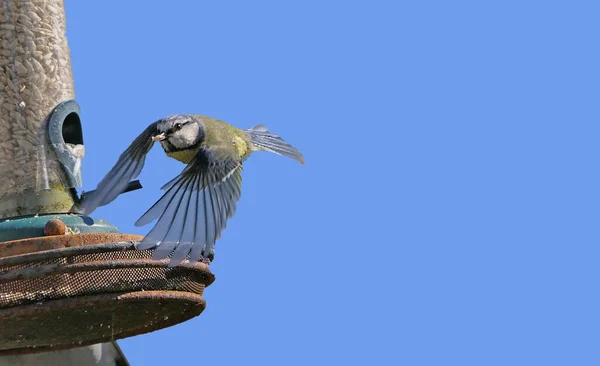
(196, 204)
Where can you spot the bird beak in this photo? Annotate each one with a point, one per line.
(159, 137)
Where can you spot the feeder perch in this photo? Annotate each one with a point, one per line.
(65, 280)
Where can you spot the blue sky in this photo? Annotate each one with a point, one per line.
(448, 210)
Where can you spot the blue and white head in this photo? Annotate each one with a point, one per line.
(179, 132)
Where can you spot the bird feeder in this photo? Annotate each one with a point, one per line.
(65, 280)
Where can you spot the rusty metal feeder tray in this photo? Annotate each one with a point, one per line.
(68, 291)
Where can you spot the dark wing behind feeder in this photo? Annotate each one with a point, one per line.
(128, 167)
(195, 207)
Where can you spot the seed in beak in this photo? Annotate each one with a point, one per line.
(159, 137)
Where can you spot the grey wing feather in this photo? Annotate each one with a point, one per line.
(264, 140)
(189, 227)
(174, 224)
(128, 167)
(193, 211)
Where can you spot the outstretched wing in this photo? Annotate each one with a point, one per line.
(128, 167)
(195, 207)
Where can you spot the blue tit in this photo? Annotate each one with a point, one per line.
(196, 204)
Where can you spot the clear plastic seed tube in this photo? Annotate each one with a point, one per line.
(35, 75)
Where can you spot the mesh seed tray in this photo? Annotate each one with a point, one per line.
(91, 293)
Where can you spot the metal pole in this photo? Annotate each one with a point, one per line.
(35, 76)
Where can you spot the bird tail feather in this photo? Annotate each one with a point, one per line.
(264, 140)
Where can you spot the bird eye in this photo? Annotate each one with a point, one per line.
(177, 126)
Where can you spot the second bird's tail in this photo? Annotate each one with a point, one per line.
(263, 140)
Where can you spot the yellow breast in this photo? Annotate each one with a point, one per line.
(185, 156)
